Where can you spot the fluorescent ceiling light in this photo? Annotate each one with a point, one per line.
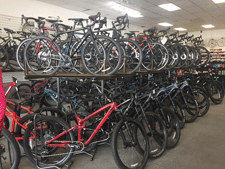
(208, 26)
(218, 1)
(124, 10)
(180, 29)
(165, 24)
(169, 7)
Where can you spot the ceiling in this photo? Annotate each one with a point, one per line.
(192, 15)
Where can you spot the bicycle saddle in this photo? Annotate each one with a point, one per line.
(164, 30)
(30, 18)
(65, 26)
(77, 19)
(9, 30)
(53, 21)
(41, 18)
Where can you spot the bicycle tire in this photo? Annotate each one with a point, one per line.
(205, 56)
(4, 58)
(140, 151)
(40, 53)
(213, 89)
(13, 65)
(25, 121)
(14, 149)
(104, 70)
(156, 49)
(191, 109)
(56, 125)
(172, 125)
(222, 87)
(183, 56)
(157, 138)
(132, 56)
(75, 59)
(203, 101)
(179, 112)
(20, 53)
(173, 57)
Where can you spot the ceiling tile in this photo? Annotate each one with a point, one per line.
(194, 10)
(158, 2)
(72, 7)
(189, 16)
(176, 0)
(185, 4)
(144, 4)
(54, 2)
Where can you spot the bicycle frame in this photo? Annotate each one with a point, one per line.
(81, 125)
(15, 119)
(10, 87)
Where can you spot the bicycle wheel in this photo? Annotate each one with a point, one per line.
(183, 56)
(9, 149)
(12, 57)
(104, 58)
(172, 126)
(4, 58)
(42, 56)
(47, 127)
(132, 56)
(22, 89)
(20, 53)
(215, 92)
(130, 149)
(24, 121)
(179, 112)
(222, 87)
(156, 131)
(160, 55)
(203, 101)
(173, 57)
(190, 108)
(75, 58)
(205, 56)
(191, 56)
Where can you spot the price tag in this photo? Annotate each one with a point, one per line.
(35, 24)
(164, 40)
(153, 91)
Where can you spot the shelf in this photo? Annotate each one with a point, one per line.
(96, 77)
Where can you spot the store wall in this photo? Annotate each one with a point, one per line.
(211, 34)
(34, 8)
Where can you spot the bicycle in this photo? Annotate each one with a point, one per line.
(101, 55)
(63, 137)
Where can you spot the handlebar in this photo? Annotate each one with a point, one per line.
(94, 19)
(121, 20)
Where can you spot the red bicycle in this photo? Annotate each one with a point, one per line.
(55, 144)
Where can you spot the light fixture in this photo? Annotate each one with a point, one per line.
(218, 1)
(180, 29)
(124, 10)
(165, 24)
(208, 26)
(169, 7)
